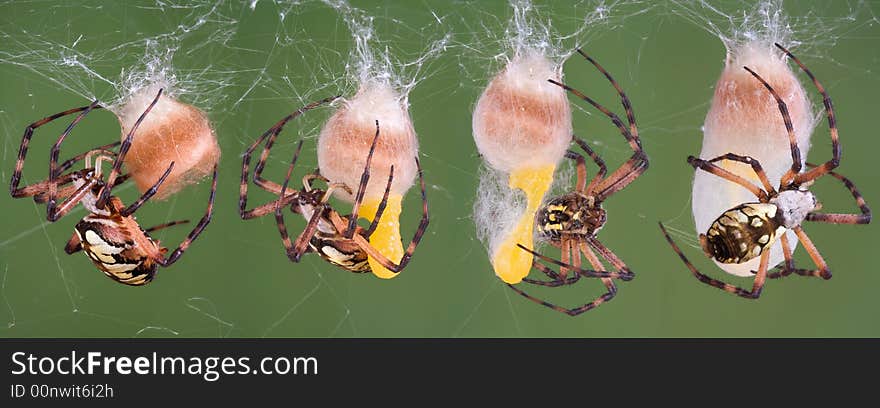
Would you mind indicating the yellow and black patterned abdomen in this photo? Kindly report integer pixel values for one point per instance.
(340, 252)
(742, 233)
(112, 251)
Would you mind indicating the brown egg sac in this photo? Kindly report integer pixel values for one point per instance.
(172, 131)
(521, 120)
(346, 138)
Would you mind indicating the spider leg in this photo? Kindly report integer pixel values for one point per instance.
(788, 267)
(624, 100)
(245, 172)
(362, 188)
(570, 256)
(26, 139)
(540, 301)
(632, 168)
(609, 284)
(832, 126)
(175, 255)
(309, 178)
(638, 162)
(591, 257)
(381, 208)
(792, 140)
(121, 179)
(40, 190)
(863, 218)
(413, 243)
(822, 268)
(570, 312)
(301, 245)
(633, 141)
(268, 207)
(166, 225)
(581, 166)
(559, 279)
(123, 150)
(555, 281)
(272, 205)
(599, 273)
(757, 286)
(147, 194)
(623, 176)
(756, 167)
(553, 275)
(64, 192)
(57, 212)
(105, 149)
(296, 250)
(259, 181)
(711, 168)
(596, 159)
(285, 237)
(51, 214)
(626, 273)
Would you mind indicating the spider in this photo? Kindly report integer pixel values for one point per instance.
(571, 221)
(339, 241)
(748, 230)
(109, 235)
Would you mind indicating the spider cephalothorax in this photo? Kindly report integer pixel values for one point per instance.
(570, 214)
(748, 230)
(571, 221)
(109, 235)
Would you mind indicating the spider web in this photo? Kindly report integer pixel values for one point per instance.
(249, 64)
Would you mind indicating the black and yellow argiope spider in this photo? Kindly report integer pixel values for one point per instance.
(109, 235)
(337, 240)
(747, 231)
(571, 221)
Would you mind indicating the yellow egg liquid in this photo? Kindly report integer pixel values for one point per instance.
(386, 237)
(511, 263)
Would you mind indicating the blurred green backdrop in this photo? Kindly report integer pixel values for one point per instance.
(251, 63)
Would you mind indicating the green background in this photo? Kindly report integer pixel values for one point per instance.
(235, 281)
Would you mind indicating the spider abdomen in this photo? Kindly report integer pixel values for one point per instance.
(570, 214)
(111, 248)
(742, 233)
(340, 252)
